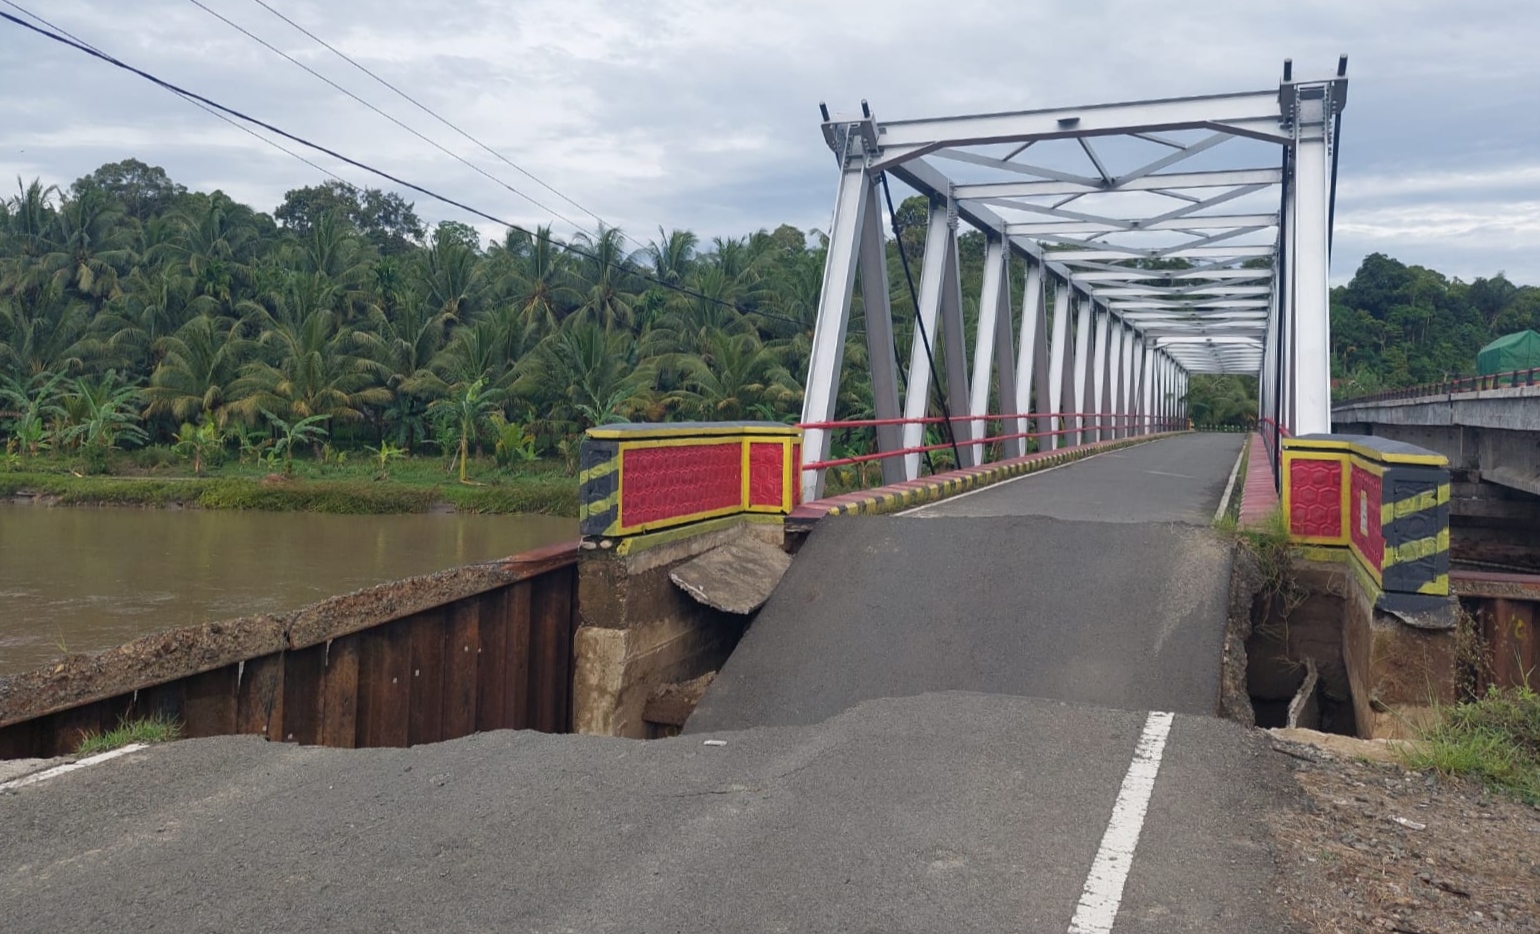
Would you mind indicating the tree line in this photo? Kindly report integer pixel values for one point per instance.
(134, 311)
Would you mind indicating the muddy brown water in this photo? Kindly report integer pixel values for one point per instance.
(83, 579)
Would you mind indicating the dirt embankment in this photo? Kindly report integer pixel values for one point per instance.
(1379, 847)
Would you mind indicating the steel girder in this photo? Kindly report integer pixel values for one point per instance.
(1162, 258)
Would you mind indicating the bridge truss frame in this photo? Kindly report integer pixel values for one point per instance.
(1218, 292)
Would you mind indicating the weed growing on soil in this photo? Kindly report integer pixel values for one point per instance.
(157, 729)
(1269, 543)
(1495, 738)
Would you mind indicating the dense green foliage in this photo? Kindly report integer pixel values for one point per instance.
(136, 313)
(1397, 325)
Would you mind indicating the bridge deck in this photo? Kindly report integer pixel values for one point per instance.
(1099, 582)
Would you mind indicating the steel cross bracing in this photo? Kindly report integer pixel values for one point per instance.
(1152, 240)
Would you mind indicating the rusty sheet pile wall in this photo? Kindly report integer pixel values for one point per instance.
(416, 661)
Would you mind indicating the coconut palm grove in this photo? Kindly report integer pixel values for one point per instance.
(145, 327)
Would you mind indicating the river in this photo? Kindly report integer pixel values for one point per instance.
(83, 579)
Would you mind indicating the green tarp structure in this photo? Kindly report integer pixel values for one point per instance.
(1518, 351)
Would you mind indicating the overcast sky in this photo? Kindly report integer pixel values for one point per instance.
(703, 113)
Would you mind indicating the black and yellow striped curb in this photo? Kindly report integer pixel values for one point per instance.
(1414, 520)
(885, 500)
(598, 486)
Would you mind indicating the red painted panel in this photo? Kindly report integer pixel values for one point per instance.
(1364, 499)
(675, 482)
(767, 484)
(1315, 498)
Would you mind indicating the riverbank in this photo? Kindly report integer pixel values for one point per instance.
(544, 491)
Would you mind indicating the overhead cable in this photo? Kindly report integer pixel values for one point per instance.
(431, 142)
(430, 112)
(639, 273)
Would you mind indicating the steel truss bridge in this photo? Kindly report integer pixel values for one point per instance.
(1154, 239)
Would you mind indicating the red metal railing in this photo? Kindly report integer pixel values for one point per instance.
(1094, 421)
(1272, 436)
(1458, 384)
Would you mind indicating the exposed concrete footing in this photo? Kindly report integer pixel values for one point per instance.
(639, 631)
(1378, 676)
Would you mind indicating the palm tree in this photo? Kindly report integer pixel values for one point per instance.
(607, 285)
(201, 363)
(103, 412)
(450, 273)
(309, 369)
(89, 246)
(44, 330)
(672, 256)
(399, 347)
(535, 277)
(292, 434)
(738, 375)
(33, 403)
(467, 409)
(588, 374)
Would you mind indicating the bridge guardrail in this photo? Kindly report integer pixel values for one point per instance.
(640, 478)
(1454, 386)
(1383, 505)
(1086, 423)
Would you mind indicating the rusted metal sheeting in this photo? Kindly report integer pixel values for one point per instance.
(499, 658)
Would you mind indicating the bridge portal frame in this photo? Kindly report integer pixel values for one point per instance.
(1243, 291)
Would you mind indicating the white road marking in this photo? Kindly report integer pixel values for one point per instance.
(68, 767)
(1166, 473)
(1103, 891)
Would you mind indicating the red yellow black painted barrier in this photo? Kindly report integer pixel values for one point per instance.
(642, 478)
(1382, 504)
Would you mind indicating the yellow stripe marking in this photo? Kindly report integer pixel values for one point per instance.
(1417, 549)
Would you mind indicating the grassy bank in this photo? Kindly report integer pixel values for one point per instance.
(412, 486)
(1494, 738)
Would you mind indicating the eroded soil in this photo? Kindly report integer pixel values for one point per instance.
(1379, 847)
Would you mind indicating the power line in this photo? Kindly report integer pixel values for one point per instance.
(206, 109)
(161, 82)
(425, 109)
(431, 142)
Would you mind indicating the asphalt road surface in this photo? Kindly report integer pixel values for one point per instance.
(947, 812)
(1100, 582)
(938, 723)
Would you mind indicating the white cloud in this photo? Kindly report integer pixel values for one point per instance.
(702, 113)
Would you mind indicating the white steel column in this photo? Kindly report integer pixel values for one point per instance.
(1083, 339)
(880, 349)
(994, 304)
(1114, 379)
(1032, 364)
(955, 346)
(1129, 389)
(1058, 354)
(1005, 362)
(917, 402)
(1310, 261)
(1147, 388)
(828, 351)
(1099, 376)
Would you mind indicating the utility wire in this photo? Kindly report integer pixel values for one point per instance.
(919, 322)
(425, 109)
(198, 104)
(637, 272)
(431, 142)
